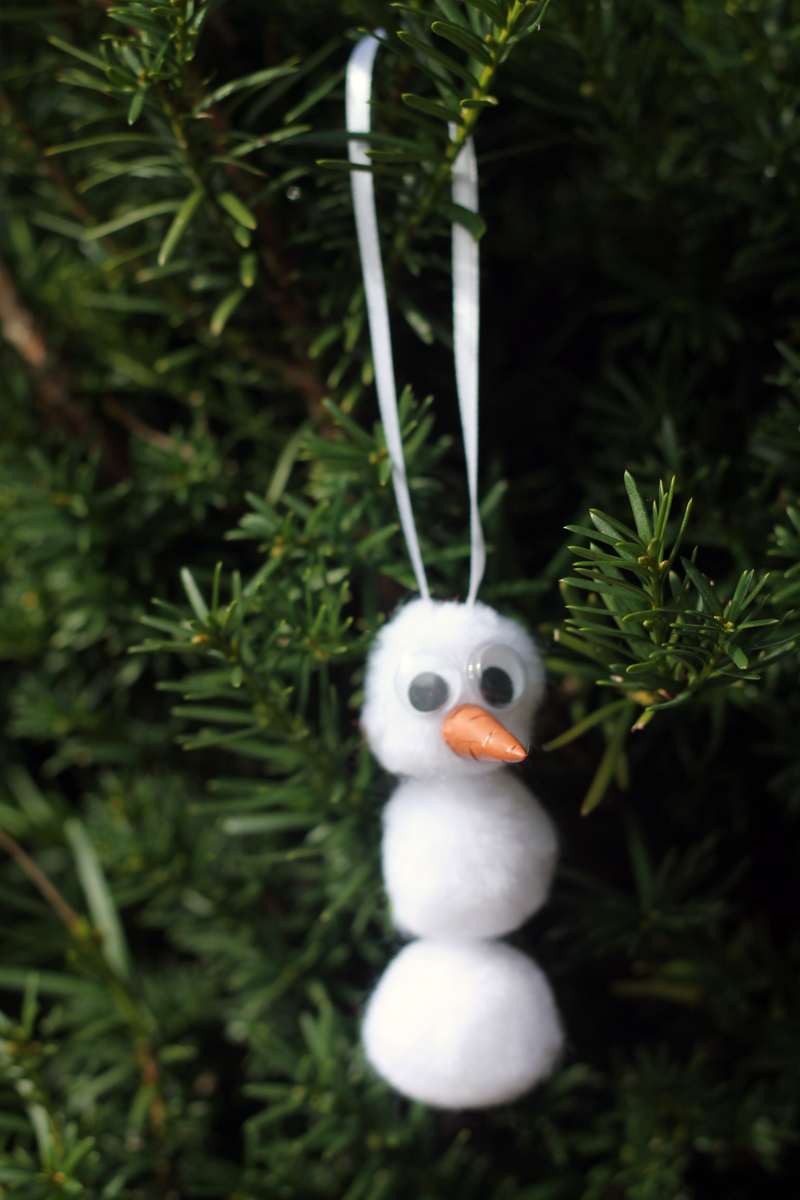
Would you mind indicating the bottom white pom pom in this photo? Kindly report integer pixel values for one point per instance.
(462, 1024)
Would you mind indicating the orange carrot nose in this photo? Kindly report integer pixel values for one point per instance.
(472, 732)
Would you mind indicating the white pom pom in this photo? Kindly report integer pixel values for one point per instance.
(466, 857)
(443, 636)
(462, 1024)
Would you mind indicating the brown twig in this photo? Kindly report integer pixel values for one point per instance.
(151, 1077)
(37, 877)
(19, 327)
(50, 378)
(153, 437)
(21, 331)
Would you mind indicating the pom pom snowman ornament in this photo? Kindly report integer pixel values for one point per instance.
(459, 1019)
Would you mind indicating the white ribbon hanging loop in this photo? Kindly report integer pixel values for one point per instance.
(466, 308)
(466, 322)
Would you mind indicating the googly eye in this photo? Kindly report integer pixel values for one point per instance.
(428, 683)
(497, 674)
(428, 691)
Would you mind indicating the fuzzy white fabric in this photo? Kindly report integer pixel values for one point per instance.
(466, 858)
(407, 742)
(462, 1024)
(468, 854)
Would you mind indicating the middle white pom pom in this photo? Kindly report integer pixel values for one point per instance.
(465, 857)
(462, 1024)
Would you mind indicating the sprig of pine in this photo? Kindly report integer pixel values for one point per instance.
(487, 32)
(657, 636)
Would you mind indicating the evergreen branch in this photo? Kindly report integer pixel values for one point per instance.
(497, 46)
(600, 714)
(88, 941)
(687, 644)
(302, 374)
(610, 760)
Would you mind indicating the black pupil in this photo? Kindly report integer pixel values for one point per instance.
(496, 686)
(428, 692)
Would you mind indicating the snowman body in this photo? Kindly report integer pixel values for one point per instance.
(459, 1020)
(465, 858)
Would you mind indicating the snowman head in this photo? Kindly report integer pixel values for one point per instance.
(450, 690)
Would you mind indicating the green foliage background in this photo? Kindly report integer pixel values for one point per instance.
(198, 541)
